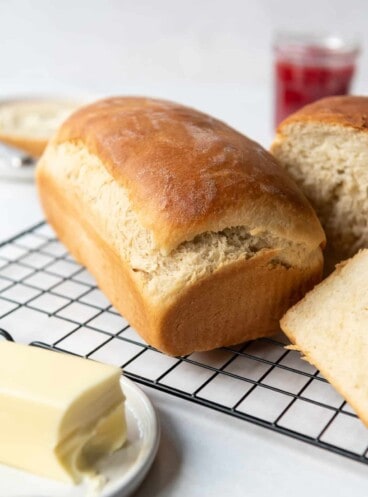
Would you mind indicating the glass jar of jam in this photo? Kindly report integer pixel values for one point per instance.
(309, 67)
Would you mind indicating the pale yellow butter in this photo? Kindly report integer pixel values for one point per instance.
(58, 413)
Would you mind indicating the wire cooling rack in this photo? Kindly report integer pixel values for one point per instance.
(47, 299)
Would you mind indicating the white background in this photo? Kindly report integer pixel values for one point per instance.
(208, 53)
(215, 55)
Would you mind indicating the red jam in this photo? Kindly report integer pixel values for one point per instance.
(298, 85)
(309, 67)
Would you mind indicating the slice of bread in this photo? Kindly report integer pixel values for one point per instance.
(330, 327)
(28, 124)
(324, 147)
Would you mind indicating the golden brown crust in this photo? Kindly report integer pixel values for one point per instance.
(74, 228)
(350, 111)
(211, 313)
(33, 146)
(187, 173)
(215, 311)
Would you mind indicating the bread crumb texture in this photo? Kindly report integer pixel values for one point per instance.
(329, 326)
(329, 163)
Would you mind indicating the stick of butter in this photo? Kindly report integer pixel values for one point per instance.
(58, 413)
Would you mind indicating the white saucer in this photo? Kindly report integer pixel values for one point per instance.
(124, 470)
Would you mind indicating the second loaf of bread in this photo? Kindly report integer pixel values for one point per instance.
(324, 148)
(193, 231)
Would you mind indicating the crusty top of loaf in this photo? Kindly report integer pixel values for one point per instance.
(187, 173)
(351, 111)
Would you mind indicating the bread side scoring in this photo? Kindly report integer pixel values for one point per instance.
(86, 181)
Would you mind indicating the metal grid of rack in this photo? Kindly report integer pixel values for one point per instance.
(49, 300)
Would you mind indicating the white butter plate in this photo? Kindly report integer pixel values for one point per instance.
(124, 470)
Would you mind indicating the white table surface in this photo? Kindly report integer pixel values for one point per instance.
(206, 453)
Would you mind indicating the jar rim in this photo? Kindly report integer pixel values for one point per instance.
(322, 44)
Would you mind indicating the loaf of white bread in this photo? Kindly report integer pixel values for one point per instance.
(28, 124)
(330, 327)
(324, 147)
(194, 232)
